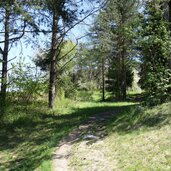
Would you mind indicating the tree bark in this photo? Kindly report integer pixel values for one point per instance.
(103, 80)
(170, 28)
(53, 59)
(124, 86)
(5, 57)
(119, 69)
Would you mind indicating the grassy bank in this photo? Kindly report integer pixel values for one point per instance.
(138, 139)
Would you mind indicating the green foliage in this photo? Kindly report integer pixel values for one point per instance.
(114, 78)
(64, 68)
(84, 95)
(66, 9)
(113, 41)
(155, 46)
(67, 50)
(87, 70)
(26, 82)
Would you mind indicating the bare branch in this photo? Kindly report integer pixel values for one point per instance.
(62, 68)
(69, 51)
(12, 59)
(80, 21)
(18, 37)
(1, 51)
(50, 31)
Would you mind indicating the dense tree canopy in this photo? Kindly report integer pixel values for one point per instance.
(155, 47)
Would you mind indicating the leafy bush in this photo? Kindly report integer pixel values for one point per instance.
(26, 82)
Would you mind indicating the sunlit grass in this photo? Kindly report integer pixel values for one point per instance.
(138, 139)
(31, 131)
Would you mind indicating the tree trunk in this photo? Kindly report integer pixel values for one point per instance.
(124, 86)
(53, 59)
(103, 80)
(170, 28)
(119, 70)
(5, 58)
(119, 82)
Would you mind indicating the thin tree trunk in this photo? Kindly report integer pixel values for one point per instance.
(117, 70)
(53, 59)
(170, 28)
(124, 86)
(5, 59)
(103, 80)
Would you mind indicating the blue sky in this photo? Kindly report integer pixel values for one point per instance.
(28, 52)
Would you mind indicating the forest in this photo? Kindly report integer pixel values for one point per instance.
(85, 85)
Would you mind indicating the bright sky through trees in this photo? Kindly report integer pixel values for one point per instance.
(29, 50)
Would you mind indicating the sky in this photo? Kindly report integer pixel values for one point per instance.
(29, 51)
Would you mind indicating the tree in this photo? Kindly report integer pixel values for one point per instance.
(115, 30)
(26, 82)
(155, 50)
(14, 20)
(65, 64)
(62, 12)
(167, 15)
(63, 17)
(101, 40)
(87, 69)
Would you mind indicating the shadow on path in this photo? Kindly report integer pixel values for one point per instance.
(25, 143)
(91, 130)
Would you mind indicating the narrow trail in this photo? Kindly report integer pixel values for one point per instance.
(91, 131)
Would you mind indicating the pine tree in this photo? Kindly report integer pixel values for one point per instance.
(15, 19)
(155, 50)
(115, 32)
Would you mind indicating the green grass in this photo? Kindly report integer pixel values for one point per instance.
(138, 139)
(31, 132)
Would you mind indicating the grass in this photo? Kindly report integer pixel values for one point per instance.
(31, 132)
(138, 139)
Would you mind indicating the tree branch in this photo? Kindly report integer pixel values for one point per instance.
(12, 59)
(1, 51)
(62, 68)
(16, 38)
(50, 31)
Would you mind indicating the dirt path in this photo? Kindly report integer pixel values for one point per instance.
(90, 131)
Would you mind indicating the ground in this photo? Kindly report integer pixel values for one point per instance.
(139, 142)
(98, 136)
(88, 132)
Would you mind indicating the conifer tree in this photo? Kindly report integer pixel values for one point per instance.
(155, 51)
(15, 18)
(115, 32)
